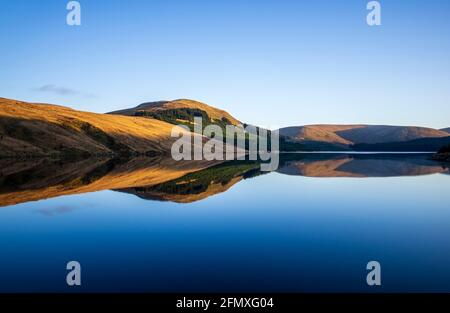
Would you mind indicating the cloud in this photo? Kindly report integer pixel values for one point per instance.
(63, 91)
(55, 211)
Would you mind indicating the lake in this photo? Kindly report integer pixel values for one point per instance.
(154, 225)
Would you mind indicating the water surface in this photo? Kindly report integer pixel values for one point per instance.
(151, 225)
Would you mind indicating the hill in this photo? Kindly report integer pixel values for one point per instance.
(31, 129)
(181, 111)
(422, 144)
(357, 134)
(447, 130)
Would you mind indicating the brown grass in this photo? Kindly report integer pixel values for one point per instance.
(29, 129)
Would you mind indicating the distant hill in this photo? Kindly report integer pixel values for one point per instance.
(422, 144)
(447, 130)
(358, 134)
(30, 129)
(181, 111)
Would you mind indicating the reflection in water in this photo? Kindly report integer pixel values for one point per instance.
(184, 182)
(42, 179)
(261, 232)
(199, 185)
(360, 165)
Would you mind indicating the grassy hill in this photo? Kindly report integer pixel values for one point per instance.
(30, 130)
(422, 144)
(358, 134)
(181, 111)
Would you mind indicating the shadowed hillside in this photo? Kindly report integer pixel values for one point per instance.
(422, 145)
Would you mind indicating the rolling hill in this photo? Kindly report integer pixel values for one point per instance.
(181, 111)
(423, 145)
(359, 134)
(447, 130)
(30, 130)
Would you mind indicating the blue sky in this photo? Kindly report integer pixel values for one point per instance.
(271, 63)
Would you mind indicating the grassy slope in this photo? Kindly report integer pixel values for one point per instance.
(29, 129)
(160, 106)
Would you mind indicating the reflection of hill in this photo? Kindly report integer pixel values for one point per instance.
(42, 179)
(359, 165)
(316, 167)
(198, 185)
(164, 179)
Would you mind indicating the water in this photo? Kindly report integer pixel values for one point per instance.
(311, 226)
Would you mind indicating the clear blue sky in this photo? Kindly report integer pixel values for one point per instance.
(271, 63)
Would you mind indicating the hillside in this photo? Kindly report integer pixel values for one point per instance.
(181, 111)
(447, 130)
(356, 134)
(422, 144)
(30, 129)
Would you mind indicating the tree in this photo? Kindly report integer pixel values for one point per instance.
(445, 149)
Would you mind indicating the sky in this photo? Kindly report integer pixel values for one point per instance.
(267, 62)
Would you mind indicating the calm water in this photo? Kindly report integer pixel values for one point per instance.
(311, 226)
